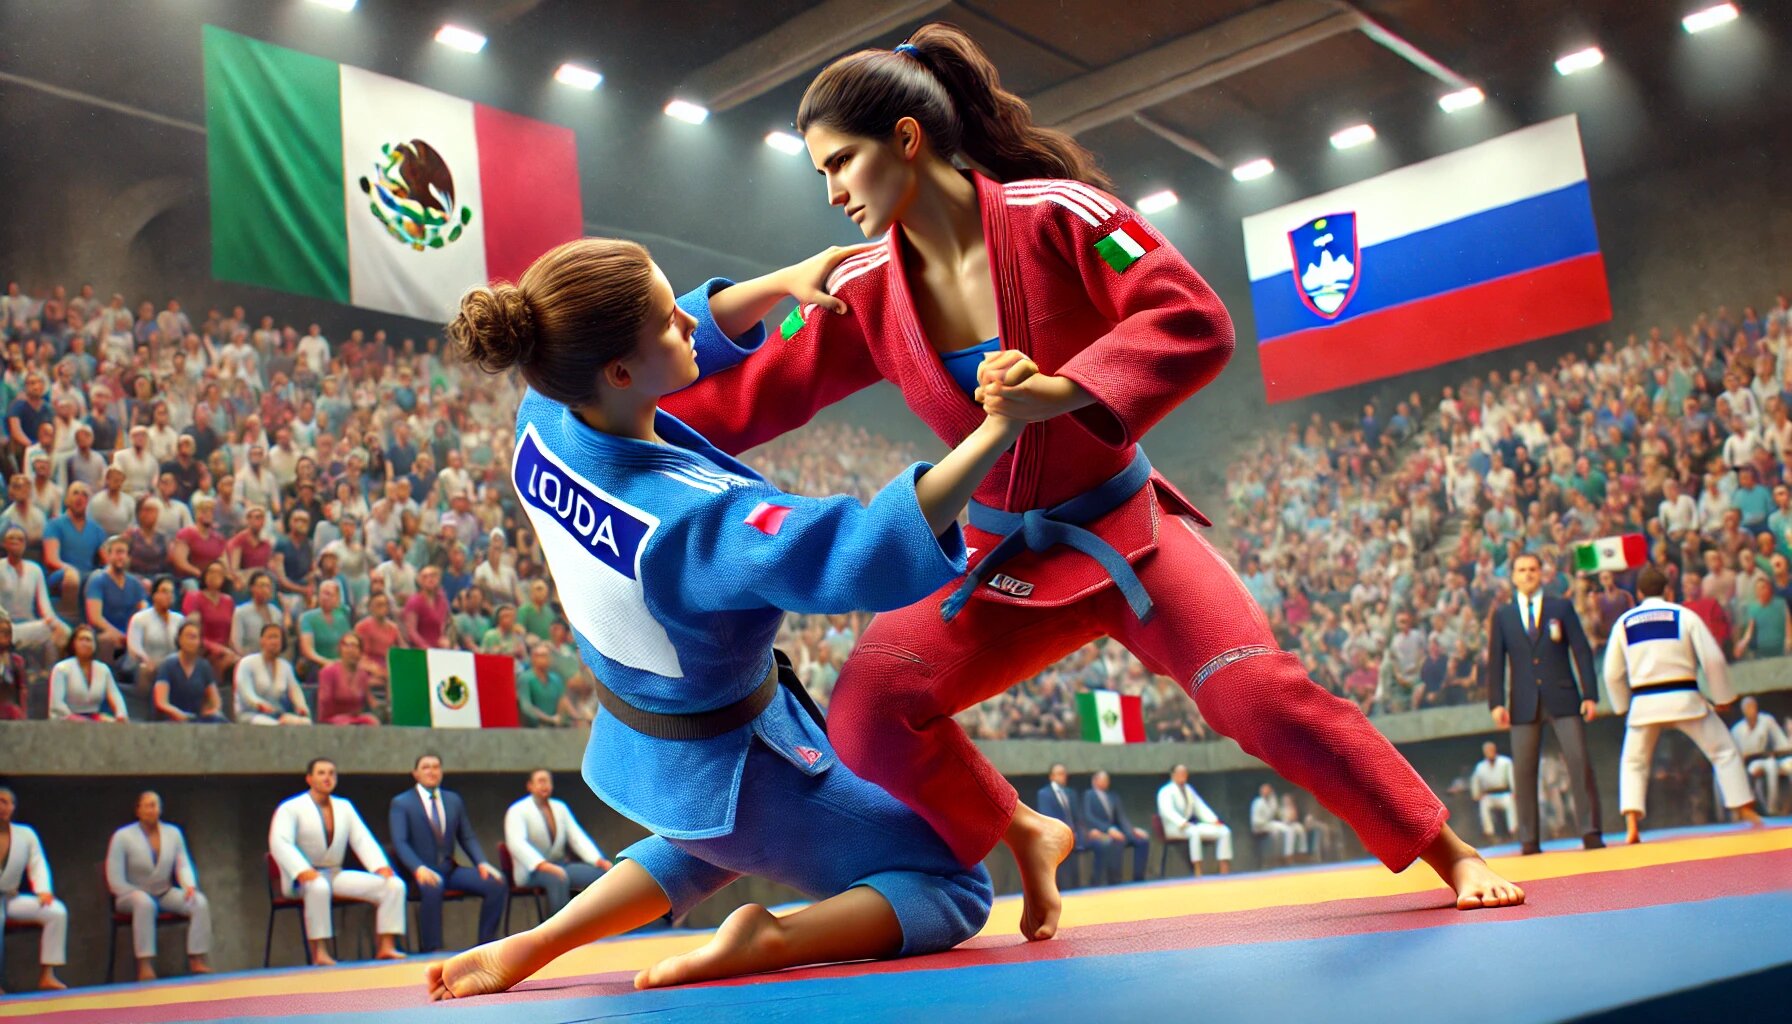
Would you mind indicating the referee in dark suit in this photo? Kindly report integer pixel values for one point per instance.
(1538, 642)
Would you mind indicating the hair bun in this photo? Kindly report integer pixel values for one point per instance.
(495, 327)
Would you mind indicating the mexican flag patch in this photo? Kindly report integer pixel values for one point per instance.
(1124, 247)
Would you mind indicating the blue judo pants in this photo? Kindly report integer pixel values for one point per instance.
(823, 835)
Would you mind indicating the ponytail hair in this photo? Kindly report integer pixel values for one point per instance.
(576, 309)
(945, 81)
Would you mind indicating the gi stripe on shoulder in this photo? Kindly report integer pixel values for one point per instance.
(1090, 197)
(1063, 199)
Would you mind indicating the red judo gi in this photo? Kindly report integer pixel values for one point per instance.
(1131, 322)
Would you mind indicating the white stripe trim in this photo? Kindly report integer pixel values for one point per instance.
(1093, 210)
(1061, 200)
(850, 267)
(719, 476)
(690, 482)
(859, 271)
(1095, 198)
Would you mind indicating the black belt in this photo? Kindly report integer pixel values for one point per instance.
(707, 725)
(1665, 687)
(1494, 792)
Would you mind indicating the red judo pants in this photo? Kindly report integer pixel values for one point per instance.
(890, 718)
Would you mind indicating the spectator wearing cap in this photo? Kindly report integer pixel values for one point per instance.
(139, 465)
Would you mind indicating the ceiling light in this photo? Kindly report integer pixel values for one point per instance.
(687, 112)
(1580, 60)
(1461, 99)
(583, 78)
(1710, 17)
(1156, 202)
(784, 142)
(461, 38)
(1251, 171)
(1353, 136)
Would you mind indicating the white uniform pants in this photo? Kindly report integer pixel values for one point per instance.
(1767, 769)
(143, 909)
(52, 951)
(1711, 736)
(1504, 802)
(385, 893)
(1291, 836)
(1199, 833)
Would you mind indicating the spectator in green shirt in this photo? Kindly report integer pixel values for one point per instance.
(1767, 622)
(540, 689)
(537, 615)
(505, 637)
(471, 621)
(566, 653)
(321, 630)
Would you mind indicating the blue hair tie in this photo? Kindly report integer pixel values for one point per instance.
(908, 48)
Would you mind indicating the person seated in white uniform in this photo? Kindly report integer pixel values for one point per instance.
(539, 831)
(1283, 840)
(267, 691)
(22, 859)
(150, 872)
(310, 838)
(1491, 788)
(1186, 816)
(1766, 752)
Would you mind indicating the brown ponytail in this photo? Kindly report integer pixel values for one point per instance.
(575, 310)
(943, 80)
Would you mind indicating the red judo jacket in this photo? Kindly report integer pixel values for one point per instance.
(1139, 332)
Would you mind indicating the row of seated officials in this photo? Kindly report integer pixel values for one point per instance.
(153, 879)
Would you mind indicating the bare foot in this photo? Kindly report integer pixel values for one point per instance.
(1476, 885)
(1750, 815)
(749, 941)
(388, 954)
(322, 959)
(1039, 845)
(49, 982)
(196, 965)
(493, 967)
(1633, 829)
(146, 971)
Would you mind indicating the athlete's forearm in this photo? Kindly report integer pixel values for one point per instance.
(944, 490)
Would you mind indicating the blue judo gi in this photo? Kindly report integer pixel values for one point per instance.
(675, 563)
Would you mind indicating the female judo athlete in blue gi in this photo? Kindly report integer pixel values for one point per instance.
(675, 563)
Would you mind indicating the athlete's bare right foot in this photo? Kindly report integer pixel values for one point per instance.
(322, 959)
(1476, 885)
(1039, 845)
(1633, 828)
(493, 967)
(1750, 815)
(750, 941)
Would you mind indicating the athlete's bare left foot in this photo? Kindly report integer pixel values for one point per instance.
(1633, 828)
(1476, 885)
(493, 967)
(1749, 814)
(1039, 845)
(751, 940)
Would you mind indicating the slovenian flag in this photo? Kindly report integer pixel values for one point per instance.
(1615, 553)
(1489, 246)
(338, 183)
(1123, 247)
(452, 689)
(1110, 717)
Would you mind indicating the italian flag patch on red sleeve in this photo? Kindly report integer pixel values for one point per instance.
(1125, 245)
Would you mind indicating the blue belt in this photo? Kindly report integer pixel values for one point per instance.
(1039, 529)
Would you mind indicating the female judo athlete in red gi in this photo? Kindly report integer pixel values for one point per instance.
(1073, 535)
(675, 563)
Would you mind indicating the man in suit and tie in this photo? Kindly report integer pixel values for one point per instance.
(427, 824)
(1537, 641)
(1057, 800)
(1111, 832)
(539, 831)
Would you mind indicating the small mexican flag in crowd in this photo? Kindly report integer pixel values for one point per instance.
(1109, 717)
(452, 689)
(1615, 553)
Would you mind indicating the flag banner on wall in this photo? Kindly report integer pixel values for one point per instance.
(452, 689)
(1489, 246)
(1110, 717)
(339, 183)
(1627, 551)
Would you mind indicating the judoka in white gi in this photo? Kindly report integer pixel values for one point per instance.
(1266, 821)
(150, 871)
(1491, 788)
(1766, 751)
(310, 838)
(22, 860)
(1652, 663)
(539, 832)
(1186, 816)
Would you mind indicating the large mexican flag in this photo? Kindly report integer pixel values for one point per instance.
(452, 689)
(332, 181)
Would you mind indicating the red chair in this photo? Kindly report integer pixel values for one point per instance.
(122, 919)
(278, 901)
(1164, 843)
(507, 865)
